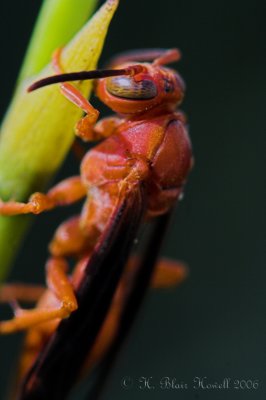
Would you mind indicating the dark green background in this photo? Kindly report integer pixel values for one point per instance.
(215, 324)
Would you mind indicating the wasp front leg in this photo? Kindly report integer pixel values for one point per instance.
(64, 193)
(103, 129)
(65, 301)
(85, 128)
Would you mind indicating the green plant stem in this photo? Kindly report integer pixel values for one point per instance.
(57, 23)
(37, 131)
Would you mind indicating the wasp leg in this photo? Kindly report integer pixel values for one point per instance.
(168, 57)
(60, 286)
(64, 193)
(84, 128)
(103, 129)
(106, 127)
(34, 341)
(70, 239)
(168, 273)
(158, 56)
(21, 292)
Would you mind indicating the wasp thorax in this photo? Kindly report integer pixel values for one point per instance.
(127, 88)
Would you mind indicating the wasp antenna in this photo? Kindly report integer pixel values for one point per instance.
(84, 75)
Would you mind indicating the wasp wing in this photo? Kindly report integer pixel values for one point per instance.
(138, 289)
(58, 364)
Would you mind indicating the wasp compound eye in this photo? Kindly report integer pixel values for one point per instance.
(127, 88)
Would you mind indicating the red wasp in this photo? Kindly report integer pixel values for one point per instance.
(137, 172)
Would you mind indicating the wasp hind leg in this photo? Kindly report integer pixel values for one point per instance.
(20, 292)
(59, 284)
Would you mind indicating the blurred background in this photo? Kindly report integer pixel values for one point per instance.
(214, 324)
